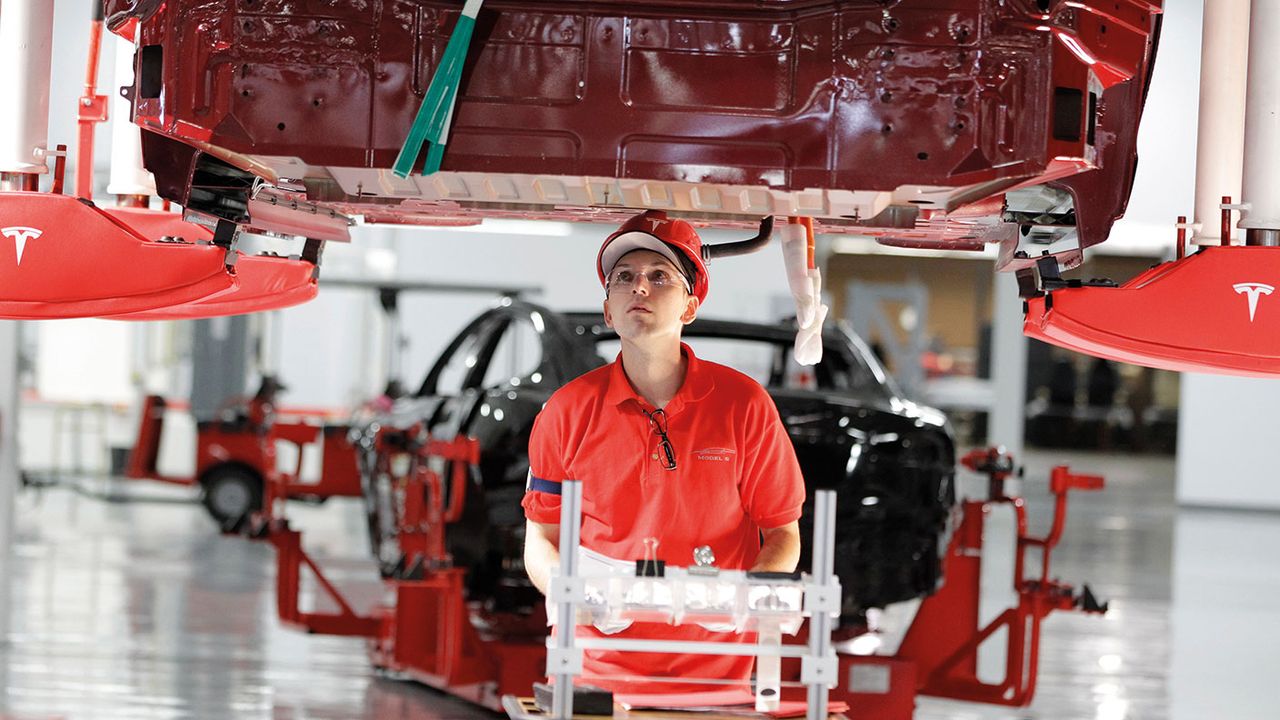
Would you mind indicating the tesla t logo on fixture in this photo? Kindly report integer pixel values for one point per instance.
(1253, 290)
(20, 237)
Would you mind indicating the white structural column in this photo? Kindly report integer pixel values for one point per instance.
(1008, 366)
(1227, 449)
(9, 332)
(1260, 188)
(1220, 144)
(127, 174)
(1005, 427)
(26, 54)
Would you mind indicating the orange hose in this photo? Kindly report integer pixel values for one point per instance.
(807, 222)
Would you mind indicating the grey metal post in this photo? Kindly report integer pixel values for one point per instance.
(1008, 367)
(560, 661)
(9, 469)
(219, 363)
(823, 571)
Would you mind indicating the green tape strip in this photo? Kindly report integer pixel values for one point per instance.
(434, 157)
(432, 120)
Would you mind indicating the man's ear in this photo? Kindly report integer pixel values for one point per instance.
(608, 316)
(690, 310)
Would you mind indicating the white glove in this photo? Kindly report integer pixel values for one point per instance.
(808, 350)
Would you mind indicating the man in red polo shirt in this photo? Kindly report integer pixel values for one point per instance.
(669, 448)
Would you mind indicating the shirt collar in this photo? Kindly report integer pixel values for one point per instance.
(698, 382)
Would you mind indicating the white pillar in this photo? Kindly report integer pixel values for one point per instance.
(26, 53)
(1220, 145)
(9, 336)
(1227, 450)
(1225, 444)
(1261, 185)
(1008, 367)
(128, 177)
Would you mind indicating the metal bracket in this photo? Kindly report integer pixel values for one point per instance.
(567, 590)
(824, 671)
(819, 598)
(565, 661)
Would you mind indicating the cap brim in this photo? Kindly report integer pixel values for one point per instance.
(629, 242)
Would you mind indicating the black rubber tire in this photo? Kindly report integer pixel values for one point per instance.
(231, 494)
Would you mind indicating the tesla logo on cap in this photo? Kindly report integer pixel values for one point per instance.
(20, 237)
(1253, 290)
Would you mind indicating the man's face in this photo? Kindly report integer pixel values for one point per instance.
(637, 307)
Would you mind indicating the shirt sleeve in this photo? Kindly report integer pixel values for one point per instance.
(546, 467)
(772, 485)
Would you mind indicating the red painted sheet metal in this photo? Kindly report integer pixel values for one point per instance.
(158, 224)
(1215, 311)
(61, 257)
(262, 282)
(784, 94)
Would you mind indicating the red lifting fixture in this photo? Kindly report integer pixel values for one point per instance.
(71, 258)
(945, 638)
(262, 282)
(62, 257)
(156, 225)
(1214, 311)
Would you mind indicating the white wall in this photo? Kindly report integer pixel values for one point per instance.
(84, 361)
(70, 52)
(1165, 183)
(1228, 442)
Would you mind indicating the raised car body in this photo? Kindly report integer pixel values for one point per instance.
(922, 122)
(891, 461)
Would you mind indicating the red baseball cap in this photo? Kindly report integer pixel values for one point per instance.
(652, 230)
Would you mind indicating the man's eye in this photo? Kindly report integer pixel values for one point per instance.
(624, 276)
(659, 277)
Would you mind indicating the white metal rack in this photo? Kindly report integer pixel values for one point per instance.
(816, 596)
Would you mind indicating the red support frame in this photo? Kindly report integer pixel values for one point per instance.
(290, 557)
(426, 633)
(92, 110)
(945, 637)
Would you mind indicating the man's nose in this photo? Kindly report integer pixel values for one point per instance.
(635, 285)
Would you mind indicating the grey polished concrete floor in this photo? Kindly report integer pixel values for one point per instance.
(141, 610)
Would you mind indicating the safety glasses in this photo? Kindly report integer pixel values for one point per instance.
(626, 279)
(658, 421)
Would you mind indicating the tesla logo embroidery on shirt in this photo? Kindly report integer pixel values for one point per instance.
(20, 237)
(1253, 290)
(715, 454)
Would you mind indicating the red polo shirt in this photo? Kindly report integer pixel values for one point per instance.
(736, 472)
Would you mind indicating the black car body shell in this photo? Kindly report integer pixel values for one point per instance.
(890, 461)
